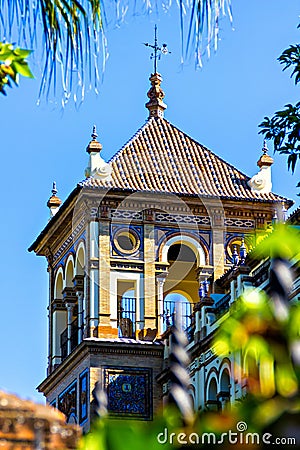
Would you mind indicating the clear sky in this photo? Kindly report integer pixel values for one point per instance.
(219, 105)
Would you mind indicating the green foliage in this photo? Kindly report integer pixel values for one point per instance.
(12, 64)
(283, 242)
(284, 127)
(291, 58)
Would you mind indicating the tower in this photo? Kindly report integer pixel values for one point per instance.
(142, 238)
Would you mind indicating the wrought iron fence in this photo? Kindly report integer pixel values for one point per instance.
(181, 310)
(127, 317)
(222, 305)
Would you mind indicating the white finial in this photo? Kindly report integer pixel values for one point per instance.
(54, 202)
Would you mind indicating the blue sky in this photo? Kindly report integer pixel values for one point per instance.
(219, 105)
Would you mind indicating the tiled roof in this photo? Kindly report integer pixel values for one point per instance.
(161, 158)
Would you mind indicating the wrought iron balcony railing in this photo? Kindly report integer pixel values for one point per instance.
(181, 310)
(127, 317)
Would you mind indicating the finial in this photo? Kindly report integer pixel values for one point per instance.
(206, 287)
(235, 257)
(275, 216)
(54, 202)
(265, 147)
(265, 159)
(243, 251)
(156, 106)
(201, 290)
(54, 190)
(157, 50)
(94, 146)
(94, 134)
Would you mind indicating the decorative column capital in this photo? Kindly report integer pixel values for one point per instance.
(161, 278)
(78, 281)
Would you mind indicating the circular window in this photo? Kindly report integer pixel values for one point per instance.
(126, 241)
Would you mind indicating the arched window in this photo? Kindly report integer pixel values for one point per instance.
(177, 306)
(212, 401)
(126, 308)
(224, 394)
(79, 265)
(58, 286)
(69, 273)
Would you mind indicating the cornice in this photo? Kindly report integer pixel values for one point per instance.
(88, 348)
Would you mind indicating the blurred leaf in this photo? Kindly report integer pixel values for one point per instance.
(284, 242)
(12, 64)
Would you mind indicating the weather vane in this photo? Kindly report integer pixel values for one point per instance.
(157, 50)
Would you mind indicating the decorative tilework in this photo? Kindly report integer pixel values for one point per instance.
(129, 392)
(53, 404)
(241, 223)
(181, 218)
(117, 214)
(67, 401)
(70, 240)
(83, 396)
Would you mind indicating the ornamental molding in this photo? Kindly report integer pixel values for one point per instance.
(182, 218)
(120, 265)
(69, 241)
(240, 223)
(128, 351)
(118, 214)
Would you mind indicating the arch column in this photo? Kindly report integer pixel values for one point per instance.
(69, 307)
(149, 277)
(218, 228)
(79, 289)
(160, 280)
(58, 325)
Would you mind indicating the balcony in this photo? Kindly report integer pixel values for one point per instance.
(182, 310)
(127, 317)
(222, 305)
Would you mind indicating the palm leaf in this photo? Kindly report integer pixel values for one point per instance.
(69, 35)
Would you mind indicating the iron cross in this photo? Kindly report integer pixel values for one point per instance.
(157, 50)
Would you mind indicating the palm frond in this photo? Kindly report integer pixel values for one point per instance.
(68, 35)
(203, 18)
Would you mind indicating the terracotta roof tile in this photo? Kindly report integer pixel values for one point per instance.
(161, 158)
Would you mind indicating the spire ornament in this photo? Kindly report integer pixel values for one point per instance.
(97, 167)
(265, 159)
(235, 257)
(54, 202)
(243, 252)
(156, 106)
(156, 95)
(262, 181)
(157, 51)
